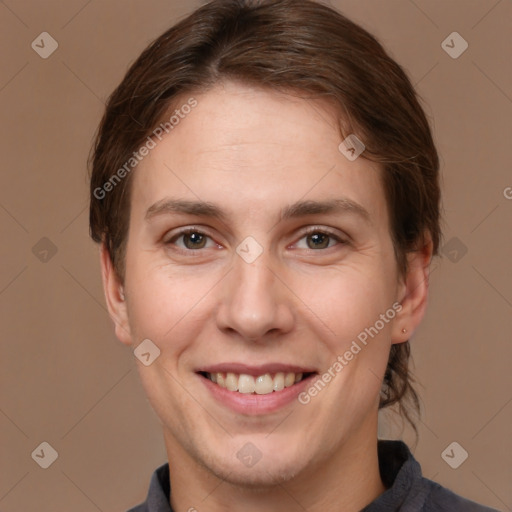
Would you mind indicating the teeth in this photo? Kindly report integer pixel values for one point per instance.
(289, 379)
(246, 384)
(231, 382)
(261, 385)
(264, 384)
(279, 381)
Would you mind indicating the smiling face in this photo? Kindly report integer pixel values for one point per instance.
(257, 248)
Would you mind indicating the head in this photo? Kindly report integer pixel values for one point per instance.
(230, 125)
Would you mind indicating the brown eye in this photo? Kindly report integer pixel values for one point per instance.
(190, 239)
(318, 240)
(194, 240)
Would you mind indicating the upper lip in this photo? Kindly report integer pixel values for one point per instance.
(255, 370)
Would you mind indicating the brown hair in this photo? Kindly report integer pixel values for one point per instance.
(290, 46)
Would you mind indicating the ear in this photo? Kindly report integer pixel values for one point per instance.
(413, 292)
(114, 295)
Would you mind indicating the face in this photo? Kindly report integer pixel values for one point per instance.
(257, 256)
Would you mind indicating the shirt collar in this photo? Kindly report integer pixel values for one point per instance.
(401, 474)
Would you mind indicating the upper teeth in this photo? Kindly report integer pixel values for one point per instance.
(261, 385)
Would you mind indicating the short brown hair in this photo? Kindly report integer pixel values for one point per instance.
(289, 46)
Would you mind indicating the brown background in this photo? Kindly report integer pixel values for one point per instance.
(66, 380)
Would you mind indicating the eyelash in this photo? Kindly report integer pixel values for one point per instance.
(309, 231)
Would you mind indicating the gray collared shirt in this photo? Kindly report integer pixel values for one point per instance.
(407, 490)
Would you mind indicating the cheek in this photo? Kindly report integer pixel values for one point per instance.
(164, 301)
(343, 302)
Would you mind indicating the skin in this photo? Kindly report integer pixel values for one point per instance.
(253, 152)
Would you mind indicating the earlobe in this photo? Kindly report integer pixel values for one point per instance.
(413, 293)
(114, 296)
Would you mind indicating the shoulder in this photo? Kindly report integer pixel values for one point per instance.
(159, 491)
(409, 490)
(440, 498)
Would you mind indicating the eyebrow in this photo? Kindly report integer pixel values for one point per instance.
(298, 209)
(199, 208)
(341, 205)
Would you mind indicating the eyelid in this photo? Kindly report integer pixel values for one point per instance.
(173, 233)
(323, 229)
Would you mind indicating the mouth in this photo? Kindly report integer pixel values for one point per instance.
(263, 384)
(255, 390)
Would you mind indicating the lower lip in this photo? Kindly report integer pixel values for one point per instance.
(253, 404)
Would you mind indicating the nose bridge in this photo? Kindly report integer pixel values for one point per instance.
(254, 301)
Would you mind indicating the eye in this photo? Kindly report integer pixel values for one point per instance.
(319, 239)
(191, 239)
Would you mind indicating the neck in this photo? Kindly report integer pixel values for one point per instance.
(345, 479)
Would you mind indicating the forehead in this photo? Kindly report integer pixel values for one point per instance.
(255, 150)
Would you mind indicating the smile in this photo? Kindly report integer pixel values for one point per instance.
(260, 385)
(255, 390)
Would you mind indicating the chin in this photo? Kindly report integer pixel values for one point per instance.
(260, 476)
(266, 472)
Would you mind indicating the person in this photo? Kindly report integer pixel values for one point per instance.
(265, 193)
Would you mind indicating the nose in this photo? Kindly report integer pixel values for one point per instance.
(255, 303)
